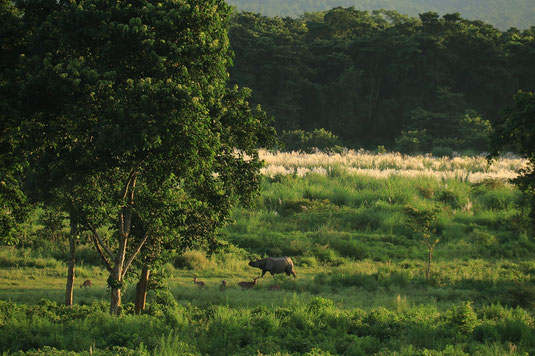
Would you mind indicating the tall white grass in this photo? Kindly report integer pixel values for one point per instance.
(382, 166)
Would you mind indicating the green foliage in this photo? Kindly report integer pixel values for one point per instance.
(443, 124)
(519, 14)
(360, 287)
(520, 295)
(475, 133)
(441, 151)
(191, 260)
(464, 318)
(382, 78)
(307, 142)
(412, 141)
(516, 131)
(142, 133)
(14, 206)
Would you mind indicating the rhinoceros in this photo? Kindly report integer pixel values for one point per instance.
(274, 265)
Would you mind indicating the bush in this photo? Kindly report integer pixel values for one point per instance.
(192, 260)
(307, 261)
(351, 248)
(307, 142)
(442, 151)
(412, 141)
(484, 239)
(521, 295)
(486, 333)
(448, 197)
(463, 318)
(328, 256)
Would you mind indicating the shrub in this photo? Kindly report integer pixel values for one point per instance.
(516, 331)
(463, 318)
(297, 247)
(173, 344)
(483, 239)
(381, 149)
(307, 261)
(412, 141)
(351, 249)
(448, 197)
(326, 255)
(320, 305)
(303, 141)
(192, 260)
(475, 132)
(486, 333)
(442, 151)
(520, 295)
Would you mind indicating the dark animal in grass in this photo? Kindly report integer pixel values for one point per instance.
(87, 283)
(274, 265)
(223, 285)
(274, 287)
(248, 285)
(199, 283)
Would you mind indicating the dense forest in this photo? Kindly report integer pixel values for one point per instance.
(383, 78)
(501, 13)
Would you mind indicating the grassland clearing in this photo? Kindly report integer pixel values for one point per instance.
(360, 290)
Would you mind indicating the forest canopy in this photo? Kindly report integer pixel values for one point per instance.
(500, 13)
(383, 78)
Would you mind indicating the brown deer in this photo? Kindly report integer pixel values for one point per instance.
(87, 283)
(275, 287)
(223, 285)
(199, 283)
(248, 285)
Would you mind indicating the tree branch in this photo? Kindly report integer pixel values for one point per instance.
(134, 254)
(125, 191)
(126, 224)
(102, 255)
(97, 237)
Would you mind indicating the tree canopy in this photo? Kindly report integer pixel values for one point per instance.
(130, 125)
(501, 13)
(517, 132)
(368, 76)
(13, 201)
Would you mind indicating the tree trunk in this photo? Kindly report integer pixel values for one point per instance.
(117, 276)
(115, 302)
(428, 268)
(72, 260)
(141, 290)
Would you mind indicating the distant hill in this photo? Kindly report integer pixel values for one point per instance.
(501, 13)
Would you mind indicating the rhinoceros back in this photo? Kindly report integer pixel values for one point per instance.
(275, 265)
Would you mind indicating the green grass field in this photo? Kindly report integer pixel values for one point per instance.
(361, 287)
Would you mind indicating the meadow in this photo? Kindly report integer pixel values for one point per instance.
(360, 286)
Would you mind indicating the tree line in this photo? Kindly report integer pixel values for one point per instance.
(501, 13)
(380, 77)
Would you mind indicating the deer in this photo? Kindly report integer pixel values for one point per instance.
(248, 285)
(199, 283)
(223, 285)
(87, 283)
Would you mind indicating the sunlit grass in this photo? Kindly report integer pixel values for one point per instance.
(382, 166)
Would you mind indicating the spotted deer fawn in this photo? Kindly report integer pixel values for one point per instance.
(199, 283)
(87, 283)
(247, 285)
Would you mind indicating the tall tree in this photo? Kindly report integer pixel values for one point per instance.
(138, 123)
(13, 202)
(517, 132)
